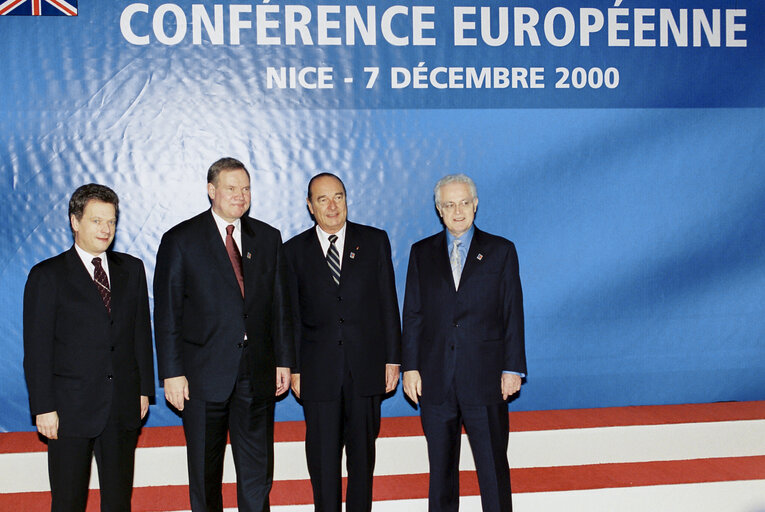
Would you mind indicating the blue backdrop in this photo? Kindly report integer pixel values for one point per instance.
(637, 203)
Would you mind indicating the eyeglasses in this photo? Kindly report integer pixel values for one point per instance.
(464, 204)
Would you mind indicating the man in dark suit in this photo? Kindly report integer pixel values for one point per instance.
(87, 356)
(463, 347)
(224, 339)
(348, 343)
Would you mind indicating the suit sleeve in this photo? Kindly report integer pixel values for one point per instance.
(284, 339)
(168, 309)
(512, 307)
(142, 342)
(387, 289)
(413, 317)
(39, 334)
(294, 290)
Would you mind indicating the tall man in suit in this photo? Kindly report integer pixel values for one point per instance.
(463, 347)
(348, 343)
(87, 356)
(224, 340)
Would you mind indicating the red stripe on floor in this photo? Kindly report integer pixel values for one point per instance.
(399, 487)
(638, 415)
(524, 421)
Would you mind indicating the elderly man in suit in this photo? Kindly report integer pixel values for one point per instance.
(87, 356)
(463, 347)
(224, 340)
(348, 343)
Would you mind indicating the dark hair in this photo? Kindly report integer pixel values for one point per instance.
(224, 164)
(88, 192)
(322, 175)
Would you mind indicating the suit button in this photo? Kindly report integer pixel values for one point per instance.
(339, 298)
(245, 316)
(109, 377)
(452, 347)
(111, 349)
(339, 342)
(340, 321)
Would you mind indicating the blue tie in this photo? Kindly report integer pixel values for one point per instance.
(456, 261)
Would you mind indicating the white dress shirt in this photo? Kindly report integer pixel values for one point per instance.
(339, 243)
(87, 260)
(223, 224)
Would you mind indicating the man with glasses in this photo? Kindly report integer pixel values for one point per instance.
(463, 350)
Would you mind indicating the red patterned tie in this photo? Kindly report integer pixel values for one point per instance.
(234, 256)
(102, 283)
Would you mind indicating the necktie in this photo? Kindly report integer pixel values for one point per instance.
(234, 256)
(102, 284)
(456, 261)
(333, 259)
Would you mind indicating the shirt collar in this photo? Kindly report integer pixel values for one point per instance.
(87, 260)
(222, 223)
(466, 238)
(324, 236)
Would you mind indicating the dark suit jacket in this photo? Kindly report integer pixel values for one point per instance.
(467, 336)
(359, 318)
(200, 317)
(78, 360)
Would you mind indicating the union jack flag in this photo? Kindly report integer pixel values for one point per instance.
(38, 8)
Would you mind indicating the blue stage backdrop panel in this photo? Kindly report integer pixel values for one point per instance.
(619, 146)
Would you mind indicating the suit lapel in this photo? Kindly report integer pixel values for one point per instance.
(217, 250)
(117, 283)
(475, 255)
(351, 251)
(81, 282)
(440, 255)
(318, 260)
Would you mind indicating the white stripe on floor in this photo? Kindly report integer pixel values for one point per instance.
(27, 472)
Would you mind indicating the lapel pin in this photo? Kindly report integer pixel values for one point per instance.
(249, 255)
(479, 257)
(352, 255)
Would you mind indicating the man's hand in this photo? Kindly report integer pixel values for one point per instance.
(144, 406)
(177, 391)
(413, 385)
(282, 380)
(392, 372)
(511, 384)
(296, 384)
(47, 424)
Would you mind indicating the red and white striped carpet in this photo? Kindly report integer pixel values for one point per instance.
(660, 458)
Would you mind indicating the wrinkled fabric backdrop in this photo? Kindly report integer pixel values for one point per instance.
(637, 207)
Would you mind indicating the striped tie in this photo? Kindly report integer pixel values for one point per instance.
(333, 259)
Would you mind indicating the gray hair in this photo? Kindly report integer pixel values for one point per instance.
(454, 178)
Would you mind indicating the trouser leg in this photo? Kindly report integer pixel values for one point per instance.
(69, 461)
(251, 424)
(442, 425)
(205, 426)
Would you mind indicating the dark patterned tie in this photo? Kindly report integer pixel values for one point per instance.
(102, 283)
(234, 256)
(333, 259)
